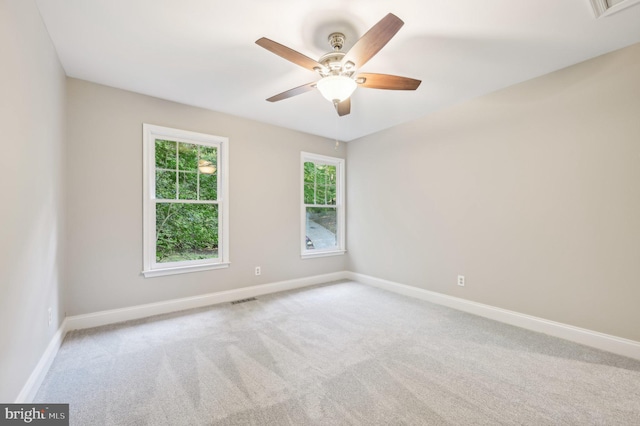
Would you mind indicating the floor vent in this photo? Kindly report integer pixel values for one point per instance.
(235, 302)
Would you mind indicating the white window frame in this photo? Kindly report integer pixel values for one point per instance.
(339, 206)
(602, 8)
(150, 267)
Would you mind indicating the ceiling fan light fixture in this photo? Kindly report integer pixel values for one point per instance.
(206, 167)
(336, 87)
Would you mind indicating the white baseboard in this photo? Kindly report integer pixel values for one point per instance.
(38, 374)
(605, 342)
(113, 316)
(594, 339)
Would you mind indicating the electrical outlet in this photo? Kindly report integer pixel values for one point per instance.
(49, 316)
(461, 280)
(258, 271)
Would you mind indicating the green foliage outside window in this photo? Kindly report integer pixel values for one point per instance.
(320, 190)
(185, 231)
(319, 184)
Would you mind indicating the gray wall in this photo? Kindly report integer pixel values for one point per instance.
(532, 193)
(104, 186)
(32, 92)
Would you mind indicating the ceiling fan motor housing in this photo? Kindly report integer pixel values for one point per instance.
(332, 65)
(332, 62)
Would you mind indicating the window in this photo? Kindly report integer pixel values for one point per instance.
(186, 225)
(323, 227)
(609, 7)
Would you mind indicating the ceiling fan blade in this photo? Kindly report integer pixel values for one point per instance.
(374, 40)
(344, 107)
(288, 54)
(293, 92)
(386, 81)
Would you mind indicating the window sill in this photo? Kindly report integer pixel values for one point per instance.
(323, 254)
(183, 269)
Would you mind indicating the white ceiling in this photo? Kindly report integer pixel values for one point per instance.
(203, 52)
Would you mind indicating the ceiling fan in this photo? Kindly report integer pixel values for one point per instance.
(339, 70)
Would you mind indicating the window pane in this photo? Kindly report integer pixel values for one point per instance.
(165, 154)
(187, 156)
(321, 228)
(208, 187)
(309, 182)
(210, 154)
(326, 188)
(319, 184)
(309, 170)
(165, 185)
(331, 185)
(188, 186)
(309, 194)
(186, 232)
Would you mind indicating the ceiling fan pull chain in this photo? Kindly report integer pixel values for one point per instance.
(335, 128)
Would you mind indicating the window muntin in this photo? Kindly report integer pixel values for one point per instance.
(322, 205)
(186, 220)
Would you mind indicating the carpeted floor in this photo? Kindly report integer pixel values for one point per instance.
(343, 353)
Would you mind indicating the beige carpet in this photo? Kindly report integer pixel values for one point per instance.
(337, 354)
